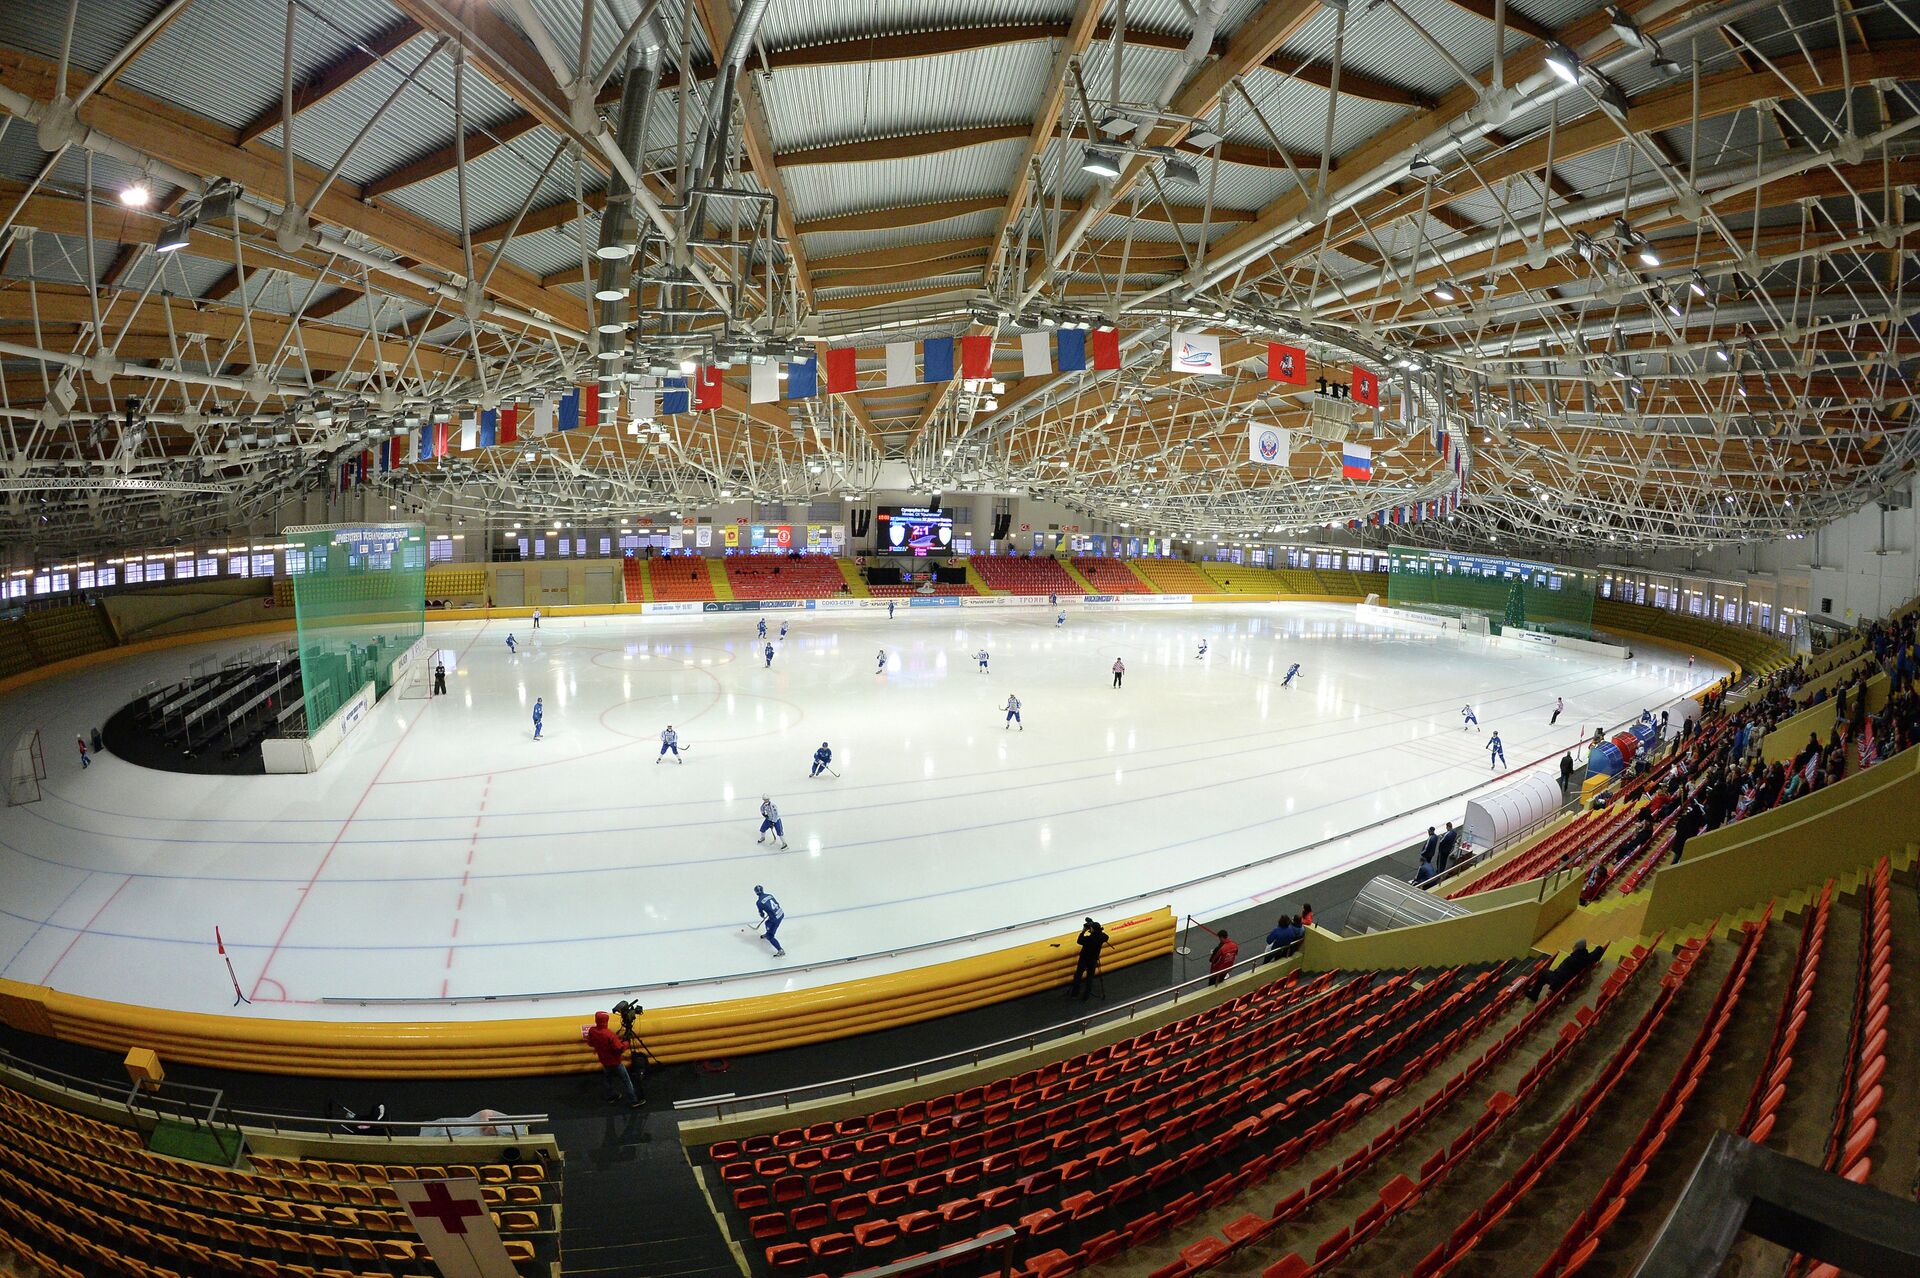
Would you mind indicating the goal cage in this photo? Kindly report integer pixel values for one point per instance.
(1489, 593)
(359, 602)
(26, 768)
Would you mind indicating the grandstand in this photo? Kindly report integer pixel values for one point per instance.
(1110, 577)
(679, 579)
(781, 577)
(1015, 575)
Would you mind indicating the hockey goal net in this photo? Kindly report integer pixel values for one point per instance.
(418, 681)
(26, 768)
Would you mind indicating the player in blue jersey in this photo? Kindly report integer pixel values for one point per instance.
(1496, 753)
(1061, 620)
(669, 740)
(882, 667)
(821, 758)
(539, 713)
(981, 657)
(889, 610)
(762, 632)
(1013, 712)
(1292, 670)
(768, 654)
(1203, 650)
(510, 647)
(771, 917)
(1468, 719)
(770, 821)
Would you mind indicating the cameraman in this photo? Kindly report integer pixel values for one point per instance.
(1091, 939)
(611, 1051)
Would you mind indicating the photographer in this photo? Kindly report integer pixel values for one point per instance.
(611, 1052)
(1091, 939)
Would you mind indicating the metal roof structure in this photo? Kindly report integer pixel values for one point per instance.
(1645, 264)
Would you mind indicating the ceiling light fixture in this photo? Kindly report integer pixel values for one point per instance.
(1100, 163)
(1181, 171)
(136, 196)
(173, 236)
(1203, 139)
(1422, 167)
(1442, 292)
(1698, 283)
(1563, 62)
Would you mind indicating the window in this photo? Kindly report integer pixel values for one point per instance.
(86, 579)
(263, 564)
(40, 584)
(539, 547)
(136, 572)
(16, 587)
(237, 566)
(566, 547)
(62, 583)
(296, 561)
(108, 576)
(606, 546)
(439, 552)
(523, 547)
(580, 547)
(209, 567)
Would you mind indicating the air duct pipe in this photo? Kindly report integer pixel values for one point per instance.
(616, 221)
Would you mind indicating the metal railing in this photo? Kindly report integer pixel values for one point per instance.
(854, 1085)
(206, 1108)
(1003, 1238)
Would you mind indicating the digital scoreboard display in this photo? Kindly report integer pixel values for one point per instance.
(912, 530)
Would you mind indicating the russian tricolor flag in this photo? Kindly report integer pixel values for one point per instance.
(1356, 461)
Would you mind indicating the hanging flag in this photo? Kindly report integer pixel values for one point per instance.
(542, 417)
(1440, 444)
(366, 464)
(568, 418)
(1268, 445)
(469, 432)
(1356, 461)
(424, 452)
(803, 378)
(674, 397)
(937, 360)
(346, 476)
(645, 402)
(899, 364)
(1073, 350)
(589, 406)
(1036, 354)
(440, 431)
(396, 452)
(706, 391)
(510, 424)
(843, 373)
(386, 457)
(1366, 387)
(1106, 349)
(976, 357)
(1193, 352)
(490, 427)
(763, 383)
(1286, 364)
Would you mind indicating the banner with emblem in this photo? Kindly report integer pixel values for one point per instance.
(1268, 445)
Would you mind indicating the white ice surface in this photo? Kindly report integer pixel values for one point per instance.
(444, 854)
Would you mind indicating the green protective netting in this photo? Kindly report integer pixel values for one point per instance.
(359, 601)
(1525, 594)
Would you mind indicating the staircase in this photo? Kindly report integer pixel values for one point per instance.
(717, 573)
(1078, 577)
(855, 585)
(634, 580)
(978, 582)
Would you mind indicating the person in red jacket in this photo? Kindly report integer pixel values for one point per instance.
(1224, 953)
(612, 1053)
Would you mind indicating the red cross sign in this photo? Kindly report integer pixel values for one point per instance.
(452, 1219)
(451, 1212)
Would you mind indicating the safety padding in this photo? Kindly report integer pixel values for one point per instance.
(551, 1045)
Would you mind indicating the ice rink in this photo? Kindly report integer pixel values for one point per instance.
(443, 854)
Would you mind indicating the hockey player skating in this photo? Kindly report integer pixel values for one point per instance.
(981, 657)
(1013, 713)
(762, 632)
(770, 820)
(768, 654)
(1203, 650)
(889, 610)
(1496, 753)
(536, 618)
(669, 740)
(539, 713)
(1468, 719)
(1119, 671)
(882, 658)
(1053, 600)
(510, 648)
(1061, 620)
(771, 917)
(1292, 670)
(1559, 704)
(821, 759)
(783, 632)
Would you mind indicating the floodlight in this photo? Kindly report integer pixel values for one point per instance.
(173, 236)
(1182, 171)
(1563, 62)
(1100, 163)
(136, 196)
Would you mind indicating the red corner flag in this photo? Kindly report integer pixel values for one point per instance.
(842, 374)
(1286, 364)
(1106, 348)
(1366, 387)
(976, 358)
